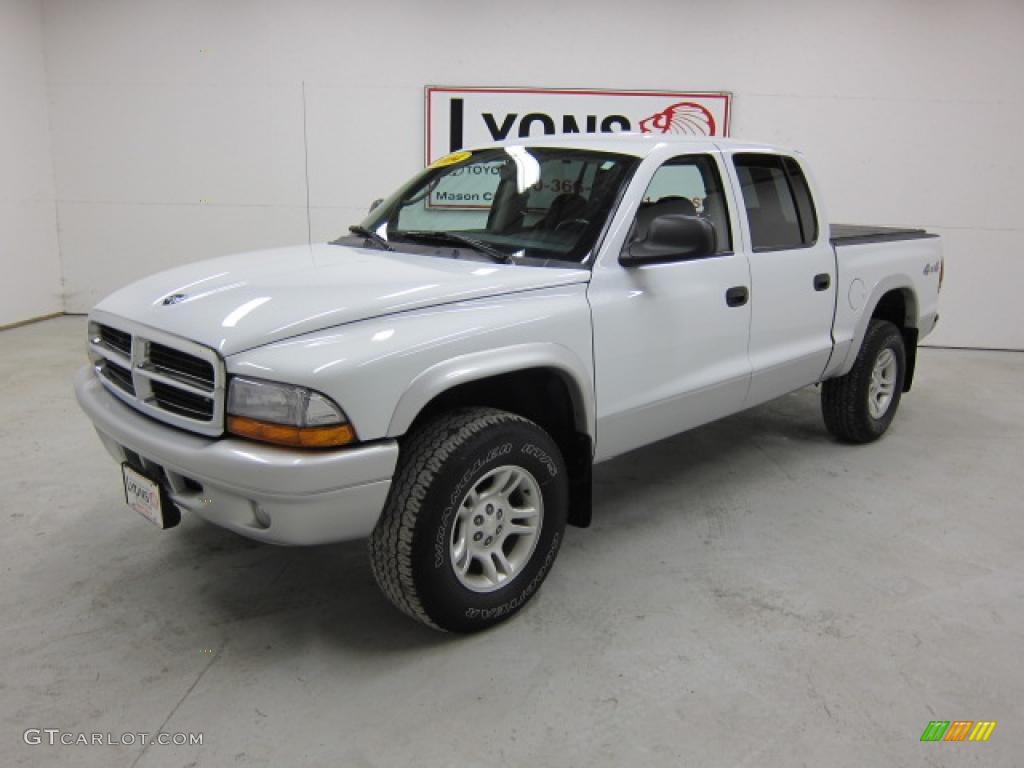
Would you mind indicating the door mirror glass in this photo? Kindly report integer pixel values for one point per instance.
(669, 237)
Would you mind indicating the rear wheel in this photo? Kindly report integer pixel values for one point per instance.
(860, 406)
(474, 520)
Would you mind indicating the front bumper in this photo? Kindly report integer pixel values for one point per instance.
(277, 495)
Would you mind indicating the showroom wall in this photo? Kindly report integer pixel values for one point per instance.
(29, 259)
(188, 129)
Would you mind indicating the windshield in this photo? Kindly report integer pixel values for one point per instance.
(508, 204)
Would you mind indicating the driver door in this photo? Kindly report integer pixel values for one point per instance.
(670, 349)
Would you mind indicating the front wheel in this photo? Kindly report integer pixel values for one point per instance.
(474, 520)
(860, 406)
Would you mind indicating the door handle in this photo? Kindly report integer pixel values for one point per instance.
(822, 281)
(737, 297)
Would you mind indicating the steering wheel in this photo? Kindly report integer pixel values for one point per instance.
(572, 224)
(417, 198)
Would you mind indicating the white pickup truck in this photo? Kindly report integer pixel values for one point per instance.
(443, 377)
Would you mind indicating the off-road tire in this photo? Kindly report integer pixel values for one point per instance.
(844, 400)
(438, 463)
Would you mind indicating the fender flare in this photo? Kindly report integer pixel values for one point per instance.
(474, 366)
(898, 282)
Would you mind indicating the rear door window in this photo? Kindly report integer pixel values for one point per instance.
(777, 200)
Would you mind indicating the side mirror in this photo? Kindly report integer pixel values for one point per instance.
(376, 202)
(670, 237)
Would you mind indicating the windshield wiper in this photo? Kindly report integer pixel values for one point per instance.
(372, 236)
(451, 237)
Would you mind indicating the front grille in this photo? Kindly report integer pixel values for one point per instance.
(121, 376)
(178, 364)
(116, 339)
(170, 379)
(181, 402)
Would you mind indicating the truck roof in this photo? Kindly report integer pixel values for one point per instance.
(639, 144)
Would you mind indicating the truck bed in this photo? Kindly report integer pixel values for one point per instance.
(870, 262)
(855, 234)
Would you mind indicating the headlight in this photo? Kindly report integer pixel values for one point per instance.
(286, 415)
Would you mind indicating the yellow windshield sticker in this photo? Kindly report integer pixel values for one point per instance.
(452, 159)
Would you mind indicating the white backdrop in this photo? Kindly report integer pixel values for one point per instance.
(29, 263)
(178, 130)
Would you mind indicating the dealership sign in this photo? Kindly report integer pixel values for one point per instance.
(464, 117)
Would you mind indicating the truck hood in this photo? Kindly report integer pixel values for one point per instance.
(246, 300)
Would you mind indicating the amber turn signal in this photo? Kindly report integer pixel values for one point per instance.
(297, 437)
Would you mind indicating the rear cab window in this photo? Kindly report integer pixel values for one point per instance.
(777, 199)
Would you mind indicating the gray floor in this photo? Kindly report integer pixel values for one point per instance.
(751, 593)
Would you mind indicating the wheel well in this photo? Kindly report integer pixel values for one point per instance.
(892, 307)
(899, 308)
(543, 396)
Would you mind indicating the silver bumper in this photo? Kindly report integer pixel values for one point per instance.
(277, 495)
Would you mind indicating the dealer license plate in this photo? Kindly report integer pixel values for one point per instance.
(143, 495)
